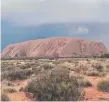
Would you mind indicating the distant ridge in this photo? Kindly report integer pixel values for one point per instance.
(55, 47)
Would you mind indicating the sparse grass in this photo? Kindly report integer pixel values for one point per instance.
(102, 99)
(92, 73)
(9, 90)
(67, 65)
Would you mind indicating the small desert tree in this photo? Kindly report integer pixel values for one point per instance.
(55, 86)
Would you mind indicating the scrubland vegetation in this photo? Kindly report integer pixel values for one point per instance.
(53, 80)
(103, 85)
(4, 97)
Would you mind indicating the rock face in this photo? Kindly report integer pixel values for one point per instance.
(55, 47)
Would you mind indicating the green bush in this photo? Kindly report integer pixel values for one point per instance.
(103, 85)
(55, 86)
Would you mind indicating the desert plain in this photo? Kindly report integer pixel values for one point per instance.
(68, 79)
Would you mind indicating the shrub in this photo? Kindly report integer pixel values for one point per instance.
(37, 70)
(99, 67)
(105, 55)
(92, 73)
(58, 72)
(16, 74)
(9, 90)
(103, 85)
(22, 89)
(107, 77)
(103, 99)
(82, 67)
(27, 65)
(7, 83)
(6, 67)
(84, 82)
(67, 65)
(102, 74)
(55, 86)
(4, 97)
(47, 65)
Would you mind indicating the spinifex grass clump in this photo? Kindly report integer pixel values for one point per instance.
(55, 85)
(103, 85)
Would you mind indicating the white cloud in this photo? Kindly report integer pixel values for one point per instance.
(33, 12)
(20, 5)
(82, 30)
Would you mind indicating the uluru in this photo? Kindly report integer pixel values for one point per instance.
(55, 47)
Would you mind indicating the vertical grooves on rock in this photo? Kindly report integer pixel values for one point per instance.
(60, 47)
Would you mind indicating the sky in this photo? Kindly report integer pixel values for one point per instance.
(22, 19)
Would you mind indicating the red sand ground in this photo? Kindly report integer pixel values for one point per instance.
(19, 96)
(92, 94)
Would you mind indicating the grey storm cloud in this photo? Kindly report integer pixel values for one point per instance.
(33, 12)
